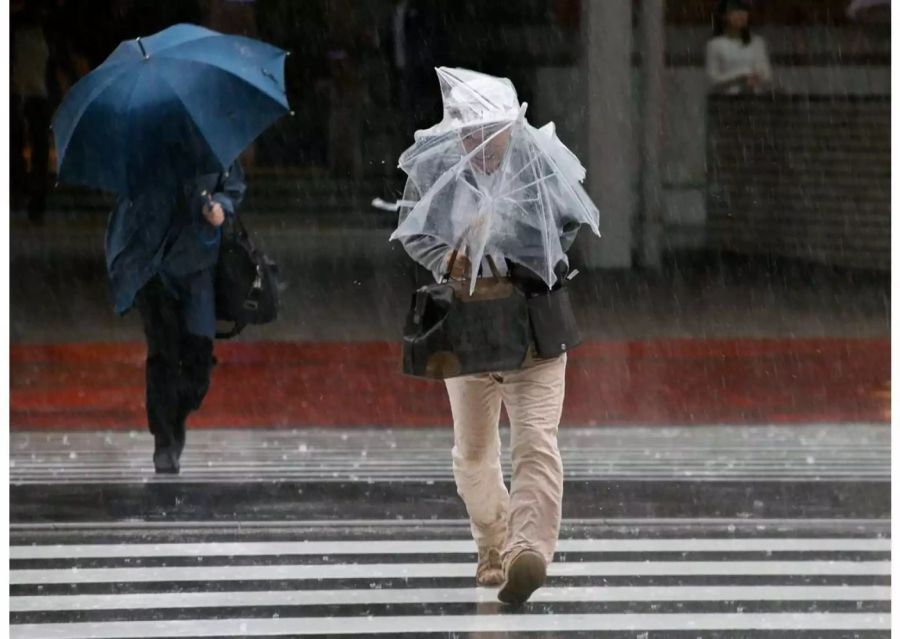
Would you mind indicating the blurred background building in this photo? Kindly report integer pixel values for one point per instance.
(761, 216)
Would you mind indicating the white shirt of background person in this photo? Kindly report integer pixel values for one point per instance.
(733, 64)
(728, 60)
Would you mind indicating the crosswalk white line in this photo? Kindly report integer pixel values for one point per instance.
(426, 570)
(763, 523)
(593, 442)
(821, 434)
(188, 476)
(823, 452)
(453, 623)
(599, 459)
(431, 469)
(445, 546)
(399, 457)
(275, 598)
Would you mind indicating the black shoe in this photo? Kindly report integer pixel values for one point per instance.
(524, 574)
(166, 461)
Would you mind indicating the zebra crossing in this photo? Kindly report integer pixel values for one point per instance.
(652, 579)
(718, 453)
(668, 533)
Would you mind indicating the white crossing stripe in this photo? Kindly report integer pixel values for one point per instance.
(849, 596)
(424, 570)
(733, 524)
(274, 598)
(453, 623)
(854, 452)
(447, 546)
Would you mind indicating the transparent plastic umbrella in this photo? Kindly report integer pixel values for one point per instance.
(486, 182)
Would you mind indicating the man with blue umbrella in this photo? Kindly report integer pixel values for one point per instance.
(162, 246)
(161, 122)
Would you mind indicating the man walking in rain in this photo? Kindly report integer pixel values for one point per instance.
(487, 183)
(162, 246)
(161, 123)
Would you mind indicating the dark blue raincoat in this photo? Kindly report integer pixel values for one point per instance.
(163, 232)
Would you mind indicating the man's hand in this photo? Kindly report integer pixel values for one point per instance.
(214, 213)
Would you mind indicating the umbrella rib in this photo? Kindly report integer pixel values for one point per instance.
(236, 77)
(468, 156)
(128, 130)
(530, 184)
(523, 169)
(259, 44)
(230, 72)
(547, 237)
(481, 97)
(84, 110)
(457, 167)
(193, 120)
(591, 216)
(474, 190)
(86, 103)
(505, 162)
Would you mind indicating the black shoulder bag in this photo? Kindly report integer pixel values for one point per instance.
(246, 281)
(450, 333)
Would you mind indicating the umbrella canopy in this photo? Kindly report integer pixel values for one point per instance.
(489, 183)
(181, 103)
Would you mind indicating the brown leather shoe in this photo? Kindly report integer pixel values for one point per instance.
(525, 573)
(490, 568)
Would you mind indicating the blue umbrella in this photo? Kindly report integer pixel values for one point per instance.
(162, 109)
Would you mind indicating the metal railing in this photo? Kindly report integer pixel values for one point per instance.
(800, 176)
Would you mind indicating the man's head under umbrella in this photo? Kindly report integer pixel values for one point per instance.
(525, 192)
(487, 143)
(482, 110)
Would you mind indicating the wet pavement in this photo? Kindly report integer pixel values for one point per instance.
(668, 533)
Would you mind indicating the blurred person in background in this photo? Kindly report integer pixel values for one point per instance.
(162, 246)
(419, 43)
(30, 107)
(869, 10)
(348, 44)
(875, 17)
(736, 59)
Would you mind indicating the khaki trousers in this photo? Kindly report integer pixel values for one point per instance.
(528, 516)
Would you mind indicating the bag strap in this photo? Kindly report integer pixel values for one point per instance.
(450, 264)
(452, 261)
(236, 329)
(490, 260)
(493, 266)
(234, 226)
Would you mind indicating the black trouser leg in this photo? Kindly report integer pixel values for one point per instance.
(196, 366)
(161, 318)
